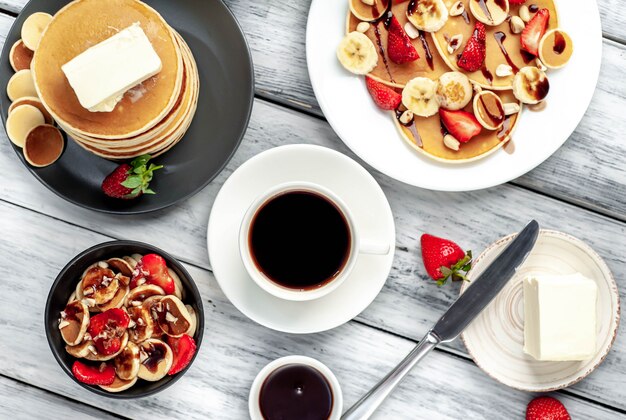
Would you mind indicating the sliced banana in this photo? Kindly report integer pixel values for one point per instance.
(19, 123)
(127, 362)
(33, 28)
(420, 96)
(454, 91)
(119, 385)
(74, 322)
(357, 53)
(179, 290)
(490, 12)
(21, 84)
(531, 85)
(174, 319)
(194, 321)
(156, 359)
(428, 15)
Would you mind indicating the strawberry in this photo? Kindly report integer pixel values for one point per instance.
(384, 96)
(517, 1)
(107, 330)
(153, 269)
(399, 47)
(443, 259)
(130, 181)
(461, 124)
(534, 30)
(475, 50)
(546, 408)
(183, 348)
(94, 375)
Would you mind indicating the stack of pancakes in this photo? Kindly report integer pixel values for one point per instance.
(153, 116)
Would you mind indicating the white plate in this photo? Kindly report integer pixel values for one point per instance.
(495, 339)
(372, 135)
(345, 178)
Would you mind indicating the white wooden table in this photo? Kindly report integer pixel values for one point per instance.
(580, 190)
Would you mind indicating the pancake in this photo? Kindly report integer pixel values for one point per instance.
(494, 57)
(398, 75)
(426, 136)
(84, 23)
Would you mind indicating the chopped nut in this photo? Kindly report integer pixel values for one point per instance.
(170, 318)
(63, 314)
(103, 264)
(92, 349)
(451, 142)
(87, 337)
(524, 13)
(504, 70)
(363, 27)
(457, 9)
(63, 324)
(517, 25)
(135, 303)
(454, 43)
(477, 88)
(140, 322)
(369, 2)
(141, 281)
(89, 302)
(89, 291)
(511, 108)
(102, 366)
(142, 356)
(406, 117)
(132, 324)
(540, 65)
(411, 30)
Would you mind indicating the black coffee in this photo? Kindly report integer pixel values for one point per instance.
(300, 240)
(296, 392)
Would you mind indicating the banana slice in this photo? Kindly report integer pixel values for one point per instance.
(141, 325)
(420, 96)
(20, 57)
(21, 84)
(74, 322)
(127, 362)
(99, 283)
(34, 101)
(19, 123)
(194, 321)
(427, 15)
(490, 12)
(119, 385)
(33, 28)
(357, 53)
(174, 319)
(179, 291)
(531, 85)
(156, 360)
(454, 91)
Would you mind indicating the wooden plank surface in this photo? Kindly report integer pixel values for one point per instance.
(217, 385)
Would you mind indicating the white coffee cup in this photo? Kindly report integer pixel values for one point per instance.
(357, 245)
(255, 389)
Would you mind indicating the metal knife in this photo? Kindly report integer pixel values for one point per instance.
(455, 320)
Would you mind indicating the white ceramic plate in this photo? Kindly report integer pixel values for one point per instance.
(495, 339)
(371, 133)
(301, 163)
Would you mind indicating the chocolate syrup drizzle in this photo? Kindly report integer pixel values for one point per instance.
(485, 71)
(429, 54)
(500, 37)
(559, 43)
(386, 19)
(412, 128)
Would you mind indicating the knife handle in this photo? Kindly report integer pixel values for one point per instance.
(366, 406)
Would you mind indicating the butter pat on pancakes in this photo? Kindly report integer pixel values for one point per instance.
(560, 317)
(101, 75)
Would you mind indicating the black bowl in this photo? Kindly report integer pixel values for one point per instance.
(224, 106)
(65, 284)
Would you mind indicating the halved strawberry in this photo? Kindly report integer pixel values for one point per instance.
(475, 50)
(183, 348)
(444, 259)
(107, 330)
(104, 374)
(153, 269)
(534, 31)
(461, 124)
(399, 47)
(384, 96)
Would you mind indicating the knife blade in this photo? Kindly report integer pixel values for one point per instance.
(455, 320)
(487, 285)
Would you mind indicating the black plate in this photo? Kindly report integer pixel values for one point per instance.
(224, 107)
(65, 284)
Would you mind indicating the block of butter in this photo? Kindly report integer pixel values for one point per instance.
(560, 317)
(101, 75)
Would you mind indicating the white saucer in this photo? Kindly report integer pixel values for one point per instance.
(495, 339)
(344, 177)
